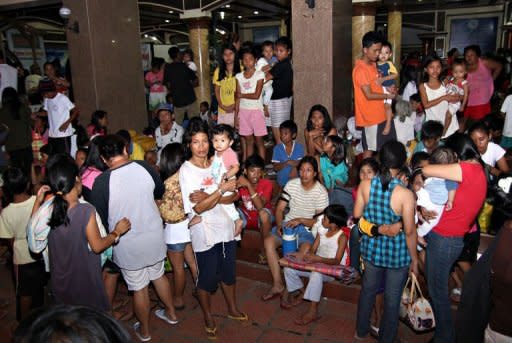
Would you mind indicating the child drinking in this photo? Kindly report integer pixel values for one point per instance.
(29, 272)
(388, 75)
(334, 172)
(318, 126)
(98, 125)
(431, 133)
(76, 277)
(249, 107)
(225, 166)
(328, 248)
(436, 194)
(457, 85)
(287, 154)
(435, 99)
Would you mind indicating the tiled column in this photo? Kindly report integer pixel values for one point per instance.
(363, 20)
(395, 34)
(198, 38)
(106, 62)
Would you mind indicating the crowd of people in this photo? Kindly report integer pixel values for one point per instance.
(397, 189)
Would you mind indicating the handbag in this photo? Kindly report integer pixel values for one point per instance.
(415, 310)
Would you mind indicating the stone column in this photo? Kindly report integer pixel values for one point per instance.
(198, 39)
(395, 34)
(106, 62)
(363, 20)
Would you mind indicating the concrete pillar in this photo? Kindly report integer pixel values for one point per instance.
(198, 39)
(363, 20)
(395, 34)
(321, 66)
(106, 61)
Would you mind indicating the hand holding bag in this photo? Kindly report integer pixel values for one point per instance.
(415, 310)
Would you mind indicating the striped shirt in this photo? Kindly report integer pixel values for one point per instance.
(383, 251)
(304, 203)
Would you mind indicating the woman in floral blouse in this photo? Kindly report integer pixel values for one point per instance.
(177, 233)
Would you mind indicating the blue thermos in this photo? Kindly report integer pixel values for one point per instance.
(289, 240)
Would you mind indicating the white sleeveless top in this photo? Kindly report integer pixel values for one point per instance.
(328, 245)
(438, 112)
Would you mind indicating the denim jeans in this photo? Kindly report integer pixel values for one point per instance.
(355, 248)
(442, 253)
(342, 196)
(395, 282)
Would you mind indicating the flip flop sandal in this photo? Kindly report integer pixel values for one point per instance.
(211, 333)
(243, 318)
(301, 322)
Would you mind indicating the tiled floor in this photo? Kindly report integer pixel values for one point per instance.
(268, 322)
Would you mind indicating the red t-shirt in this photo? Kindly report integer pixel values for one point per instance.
(264, 189)
(469, 198)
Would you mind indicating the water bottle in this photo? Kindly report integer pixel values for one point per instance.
(289, 240)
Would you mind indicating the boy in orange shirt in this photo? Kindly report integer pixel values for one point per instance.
(368, 95)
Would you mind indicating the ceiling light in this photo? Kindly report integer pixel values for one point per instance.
(228, 6)
(256, 12)
(167, 21)
(239, 17)
(222, 14)
(146, 35)
(153, 38)
(171, 12)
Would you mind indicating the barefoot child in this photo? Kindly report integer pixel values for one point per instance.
(328, 248)
(388, 75)
(225, 166)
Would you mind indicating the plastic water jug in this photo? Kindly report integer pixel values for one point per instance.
(289, 240)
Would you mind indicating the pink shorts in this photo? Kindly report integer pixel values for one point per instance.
(252, 122)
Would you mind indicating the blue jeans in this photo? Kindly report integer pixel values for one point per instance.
(342, 196)
(395, 282)
(303, 235)
(442, 253)
(355, 248)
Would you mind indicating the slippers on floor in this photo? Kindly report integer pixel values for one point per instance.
(160, 313)
(211, 333)
(136, 327)
(302, 322)
(243, 318)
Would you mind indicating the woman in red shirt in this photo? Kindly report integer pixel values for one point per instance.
(445, 241)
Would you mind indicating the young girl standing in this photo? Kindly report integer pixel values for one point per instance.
(249, 106)
(434, 97)
(225, 85)
(76, 277)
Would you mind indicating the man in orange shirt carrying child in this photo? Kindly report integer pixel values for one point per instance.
(369, 97)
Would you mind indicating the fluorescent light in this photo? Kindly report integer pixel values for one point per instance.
(171, 12)
(256, 12)
(153, 38)
(228, 6)
(239, 17)
(222, 14)
(167, 21)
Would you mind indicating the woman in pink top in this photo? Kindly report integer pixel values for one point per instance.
(91, 169)
(446, 240)
(481, 76)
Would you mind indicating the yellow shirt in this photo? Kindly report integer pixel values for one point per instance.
(137, 152)
(227, 89)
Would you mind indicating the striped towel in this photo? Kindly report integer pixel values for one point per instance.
(345, 274)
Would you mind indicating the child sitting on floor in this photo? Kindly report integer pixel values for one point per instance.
(328, 248)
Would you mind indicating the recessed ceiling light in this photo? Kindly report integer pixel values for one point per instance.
(239, 17)
(256, 12)
(171, 12)
(228, 6)
(146, 35)
(167, 21)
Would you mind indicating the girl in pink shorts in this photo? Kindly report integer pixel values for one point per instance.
(249, 117)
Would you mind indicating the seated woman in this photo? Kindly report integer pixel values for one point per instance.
(329, 248)
(212, 237)
(491, 153)
(318, 126)
(304, 196)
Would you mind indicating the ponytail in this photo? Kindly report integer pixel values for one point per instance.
(385, 177)
(62, 175)
(392, 155)
(60, 211)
